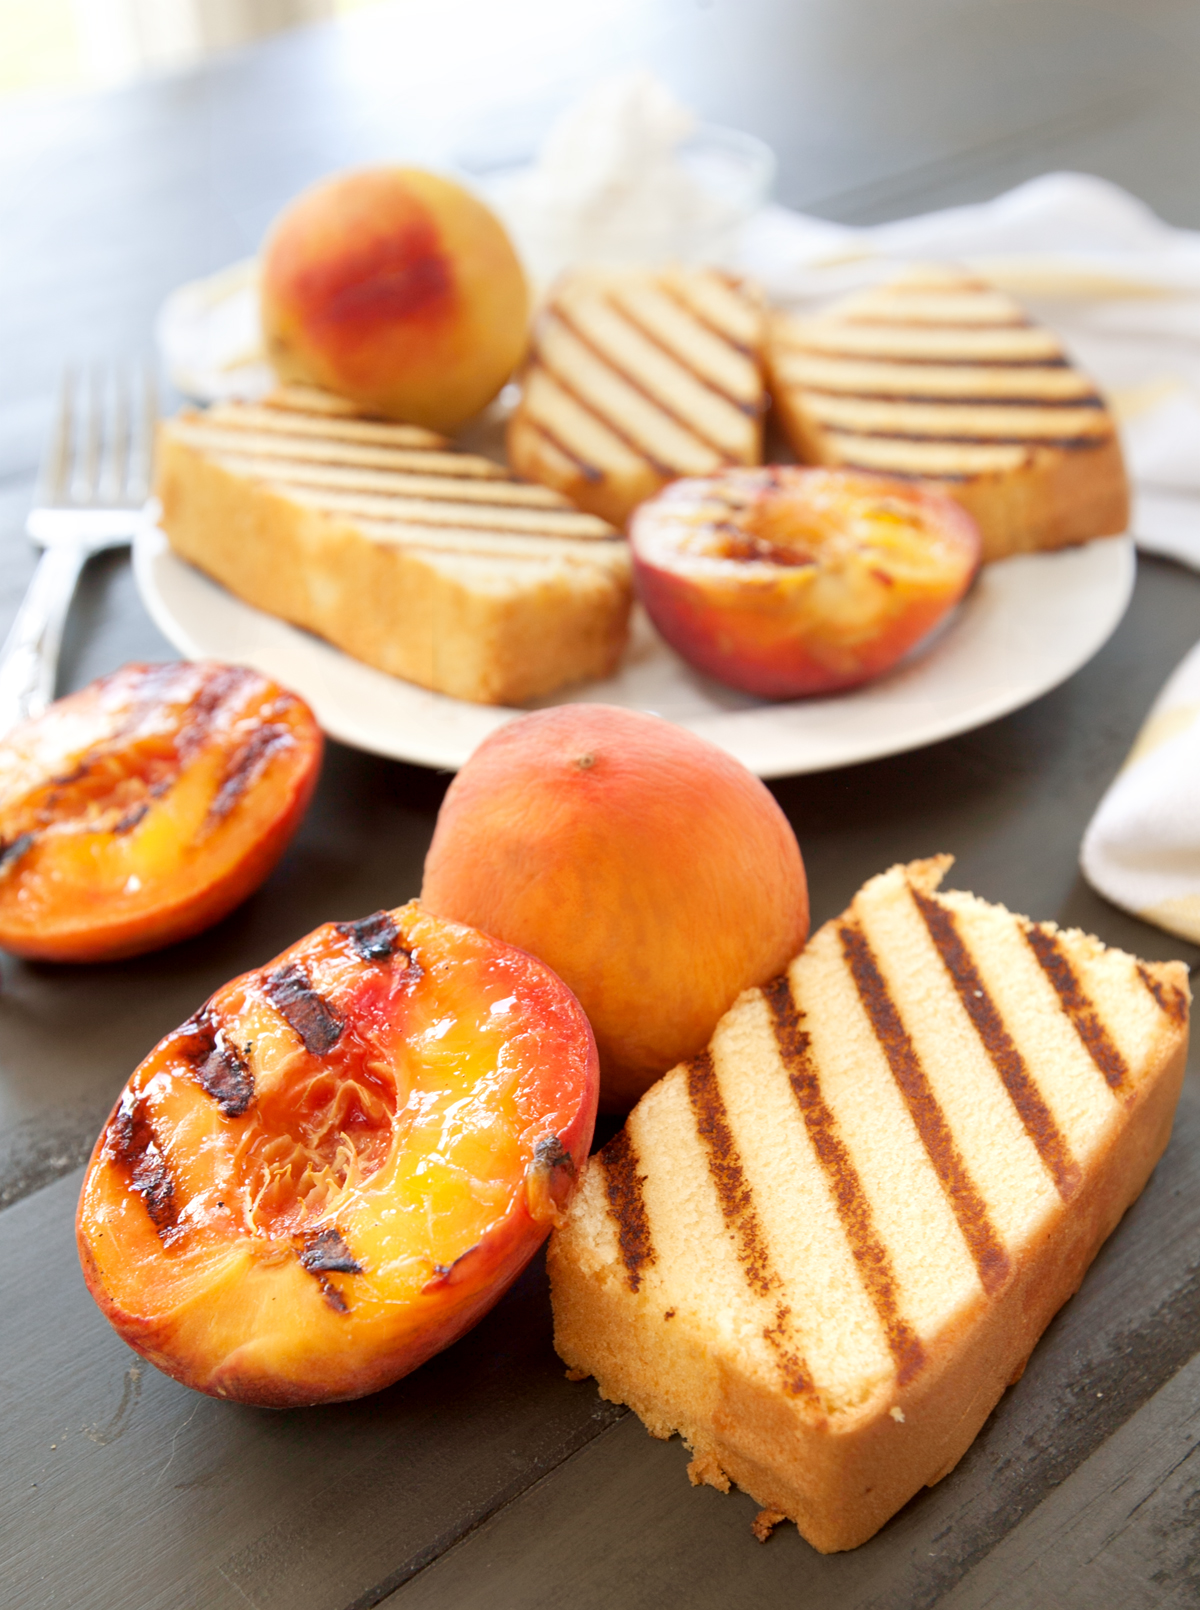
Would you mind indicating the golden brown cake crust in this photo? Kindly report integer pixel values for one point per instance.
(495, 617)
(919, 401)
(838, 1464)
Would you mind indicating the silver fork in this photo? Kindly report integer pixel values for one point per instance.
(94, 483)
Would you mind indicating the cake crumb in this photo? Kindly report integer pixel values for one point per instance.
(897, 1413)
(578, 1375)
(765, 1523)
(705, 1471)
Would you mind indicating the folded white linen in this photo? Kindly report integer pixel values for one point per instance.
(1121, 288)
(1142, 847)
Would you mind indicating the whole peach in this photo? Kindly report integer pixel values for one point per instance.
(653, 872)
(398, 289)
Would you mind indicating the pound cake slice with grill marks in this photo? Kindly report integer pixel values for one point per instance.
(431, 564)
(635, 378)
(823, 1249)
(939, 376)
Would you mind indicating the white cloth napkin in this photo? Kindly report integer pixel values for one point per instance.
(1142, 847)
(1120, 287)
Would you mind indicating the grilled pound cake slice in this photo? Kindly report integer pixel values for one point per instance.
(427, 563)
(823, 1249)
(635, 378)
(939, 376)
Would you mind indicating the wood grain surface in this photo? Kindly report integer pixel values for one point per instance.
(486, 1478)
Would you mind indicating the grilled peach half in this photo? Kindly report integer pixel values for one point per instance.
(146, 806)
(783, 581)
(341, 1162)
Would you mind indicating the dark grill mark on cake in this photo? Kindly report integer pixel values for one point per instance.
(681, 300)
(373, 937)
(736, 1203)
(1077, 1006)
(659, 466)
(623, 1188)
(853, 1203)
(1066, 444)
(937, 399)
(969, 1207)
(291, 994)
(733, 1190)
(778, 1336)
(907, 358)
(737, 1206)
(247, 764)
(998, 1043)
(588, 470)
(681, 358)
(133, 1144)
(667, 409)
(1170, 997)
(305, 427)
(957, 476)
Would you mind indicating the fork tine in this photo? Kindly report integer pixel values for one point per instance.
(144, 415)
(57, 466)
(114, 476)
(87, 470)
(100, 451)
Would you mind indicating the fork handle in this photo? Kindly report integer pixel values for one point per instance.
(29, 659)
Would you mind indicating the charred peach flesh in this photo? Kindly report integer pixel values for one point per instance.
(146, 806)
(398, 289)
(341, 1162)
(785, 581)
(651, 870)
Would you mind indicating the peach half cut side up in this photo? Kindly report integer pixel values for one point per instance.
(341, 1162)
(786, 582)
(146, 806)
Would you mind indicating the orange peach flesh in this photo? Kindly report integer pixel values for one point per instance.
(785, 581)
(290, 1217)
(398, 289)
(146, 806)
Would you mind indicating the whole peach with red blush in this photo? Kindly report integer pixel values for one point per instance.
(655, 874)
(398, 289)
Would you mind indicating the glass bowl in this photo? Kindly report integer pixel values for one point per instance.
(689, 213)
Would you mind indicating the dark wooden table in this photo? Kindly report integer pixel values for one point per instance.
(486, 1478)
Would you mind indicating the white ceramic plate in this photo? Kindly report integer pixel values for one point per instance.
(1027, 624)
